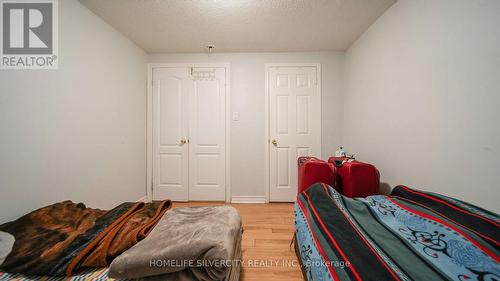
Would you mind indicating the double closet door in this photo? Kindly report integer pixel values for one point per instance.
(189, 133)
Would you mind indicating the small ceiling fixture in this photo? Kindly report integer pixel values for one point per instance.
(210, 48)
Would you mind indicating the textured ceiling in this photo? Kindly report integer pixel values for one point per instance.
(240, 25)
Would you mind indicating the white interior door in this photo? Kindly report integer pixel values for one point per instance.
(189, 133)
(294, 126)
(170, 130)
(207, 171)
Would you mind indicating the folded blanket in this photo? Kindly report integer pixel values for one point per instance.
(65, 237)
(197, 243)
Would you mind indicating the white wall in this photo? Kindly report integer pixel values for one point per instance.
(419, 97)
(77, 132)
(248, 98)
(422, 97)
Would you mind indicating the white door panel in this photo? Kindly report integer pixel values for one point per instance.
(207, 135)
(170, 156)
(295, 125)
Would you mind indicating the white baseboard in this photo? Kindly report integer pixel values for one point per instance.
(143, 199)
(234, 199)
(248, 199)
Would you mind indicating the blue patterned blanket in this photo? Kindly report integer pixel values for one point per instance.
(409, 235)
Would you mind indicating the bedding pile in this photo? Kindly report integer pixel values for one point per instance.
(409, 235)
(192, 243)
(66, 237)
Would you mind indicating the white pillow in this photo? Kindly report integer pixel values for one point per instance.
(6, 244)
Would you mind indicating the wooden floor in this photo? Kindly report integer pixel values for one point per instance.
(268, 231)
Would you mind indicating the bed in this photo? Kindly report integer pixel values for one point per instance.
(408, 235)
(146, 241)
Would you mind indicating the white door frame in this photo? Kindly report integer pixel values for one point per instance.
(267, 140)
(149, 121)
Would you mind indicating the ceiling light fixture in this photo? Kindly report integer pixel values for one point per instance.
(210, 48)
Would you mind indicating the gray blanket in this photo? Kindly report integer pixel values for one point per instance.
(195, 243)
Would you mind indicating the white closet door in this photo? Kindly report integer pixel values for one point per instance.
(207, 171)
(295, 126)
(170, 130)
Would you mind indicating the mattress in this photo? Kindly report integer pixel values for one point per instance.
(409, 235)
(94, 275)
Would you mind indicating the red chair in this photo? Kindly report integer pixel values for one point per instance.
(313, 170)
(354, 178)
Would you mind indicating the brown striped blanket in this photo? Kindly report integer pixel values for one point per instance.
(66, 237)
(408, 235)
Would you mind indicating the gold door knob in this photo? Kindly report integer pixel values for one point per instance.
(183, 142)
(274, 142)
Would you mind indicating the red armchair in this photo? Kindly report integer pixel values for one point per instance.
(355, 178)
(313, 170)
